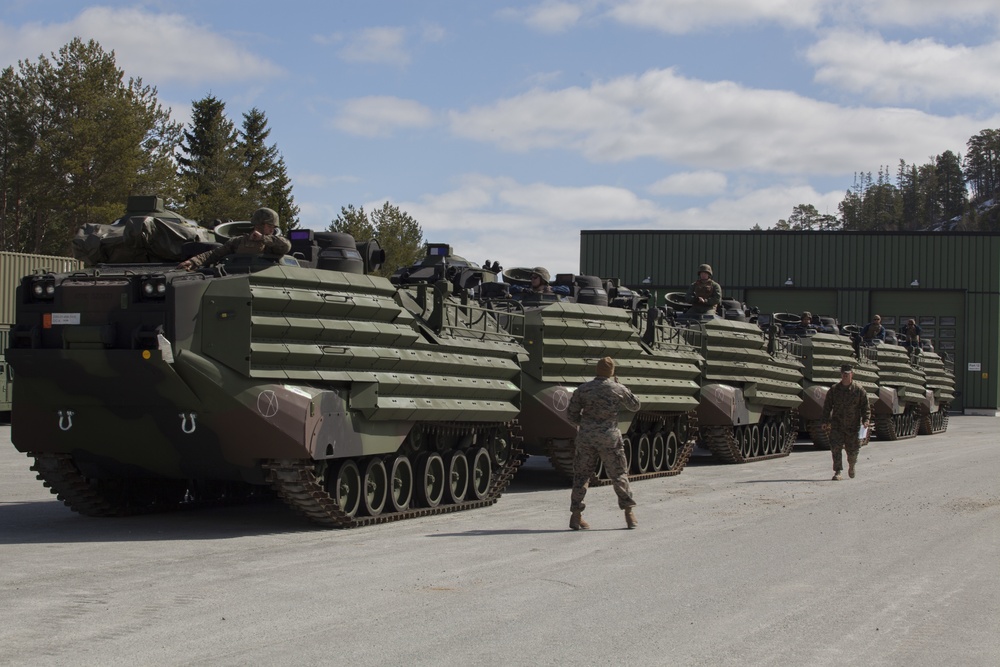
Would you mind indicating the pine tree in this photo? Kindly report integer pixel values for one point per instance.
(214, 178)
(982, 165)
(399, 234)
(76, 141)
(268, 183)
(952, 195)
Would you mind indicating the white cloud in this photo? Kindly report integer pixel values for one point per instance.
(763, 206)
(380, 116)
(432, 32)
(916, 71)
(553, 16)
(720, 126)
(383, 45)
(539, 224)
(683, 16)
(691, 183)
(321, 180)
(913, 13)
(583, 204)
(182, 50)
(678, 17)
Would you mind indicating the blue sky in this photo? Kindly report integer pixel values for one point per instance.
(505, 128)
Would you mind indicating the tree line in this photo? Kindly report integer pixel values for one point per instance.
(77, 139)
(946, 193)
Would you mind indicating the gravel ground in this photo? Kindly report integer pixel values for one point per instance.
(762, 564)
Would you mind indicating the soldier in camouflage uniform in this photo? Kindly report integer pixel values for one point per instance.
(704, 295)
(594, 409)
(261, 240)
(845, 410)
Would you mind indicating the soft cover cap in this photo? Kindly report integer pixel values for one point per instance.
(606, 367)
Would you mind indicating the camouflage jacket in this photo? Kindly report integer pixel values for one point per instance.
(244, 245)
(873, 330)
(595, 405)
(848, 406)
(709, 290)
(912, 333)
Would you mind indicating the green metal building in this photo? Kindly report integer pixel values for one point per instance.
(14, 266)
(948, 282)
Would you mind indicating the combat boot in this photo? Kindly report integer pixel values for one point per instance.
(630, 519)
(836, 476)
(850, 469)
(576, 521)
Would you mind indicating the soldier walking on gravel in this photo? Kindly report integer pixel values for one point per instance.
(845, 411)
(594, 408)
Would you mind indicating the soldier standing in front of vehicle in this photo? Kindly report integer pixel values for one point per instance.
(704, 295)
(262, 240)
(594, 408)
(845, 411)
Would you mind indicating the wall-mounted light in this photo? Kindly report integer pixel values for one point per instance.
(788, 282)
(915, 283)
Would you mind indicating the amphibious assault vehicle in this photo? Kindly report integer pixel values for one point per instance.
(939, 374)
(750, 384)
(565, 336)
(823, 354)
(901, 391)
(141, 387)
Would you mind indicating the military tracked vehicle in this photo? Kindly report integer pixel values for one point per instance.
(565, 336)
(901, 390)
(823, 354)
(939, 374)
(751, 385)
(142, 387)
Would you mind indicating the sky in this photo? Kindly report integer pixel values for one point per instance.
(505, 128)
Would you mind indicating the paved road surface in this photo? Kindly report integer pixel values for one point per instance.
(762, 564)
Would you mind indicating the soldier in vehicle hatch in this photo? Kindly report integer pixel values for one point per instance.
(704, 295)
(539, 284)
(873, 331)
(594, 408)
(262, 240)
(845, 411)
(911, 334)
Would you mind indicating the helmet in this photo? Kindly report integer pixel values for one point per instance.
(706, 268)
(542, 273)
(806, 315)
(264, 216)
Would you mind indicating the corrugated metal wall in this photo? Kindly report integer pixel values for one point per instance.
(856, 264)
(14, 266)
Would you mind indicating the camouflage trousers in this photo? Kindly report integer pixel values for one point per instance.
(612, 454)
(840, 440)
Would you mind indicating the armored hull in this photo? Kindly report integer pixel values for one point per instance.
(939, 374)
(750, 394)
(564, 341)
(901, 393)
(355, 400)
(823, 356)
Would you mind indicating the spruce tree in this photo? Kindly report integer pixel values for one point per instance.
(76, 140)
(211, 166)
(268, 183)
